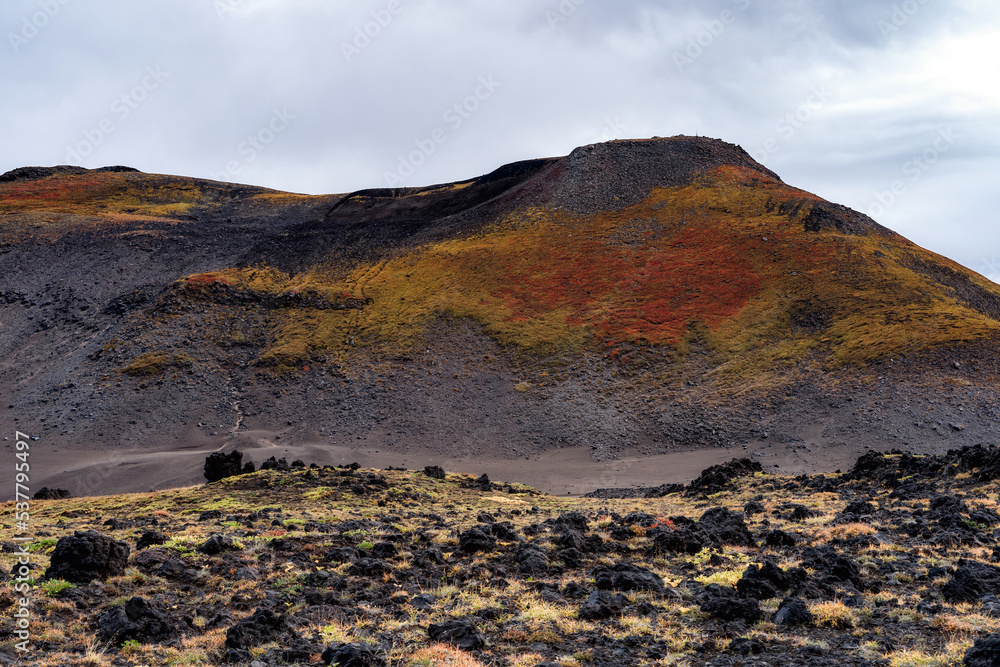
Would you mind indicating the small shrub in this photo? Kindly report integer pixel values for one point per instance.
(53, 587)
(833, 614)
(131, 646)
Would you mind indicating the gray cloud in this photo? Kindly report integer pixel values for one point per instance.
(837, 96)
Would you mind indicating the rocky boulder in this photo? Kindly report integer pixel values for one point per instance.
(260, 628)
(601, 605)
(628, 577)
(984, 653)
(793, 612)
(460, 632)
(45, 493)
(716, 527)
(763, 582)
(972, 581)
(219, 466)
(357, 654)
(475, 540)
(86, 556)
(138, 621)
(717, 477)
(434, 472)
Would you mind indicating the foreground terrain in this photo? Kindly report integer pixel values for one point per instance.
(887, 564)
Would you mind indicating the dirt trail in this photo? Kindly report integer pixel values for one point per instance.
(560, 471)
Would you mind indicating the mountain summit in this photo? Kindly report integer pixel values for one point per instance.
(633, 297)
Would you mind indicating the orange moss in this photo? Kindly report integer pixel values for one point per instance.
(105, 195)
(725, 261)
(203, 279)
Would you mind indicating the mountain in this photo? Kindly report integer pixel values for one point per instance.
(632, 299)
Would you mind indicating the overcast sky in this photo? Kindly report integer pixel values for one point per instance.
(889, 106)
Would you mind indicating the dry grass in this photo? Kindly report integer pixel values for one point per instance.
(442, 655)
(678, 623)
(846, 531)
(833, 614)
(952, 656)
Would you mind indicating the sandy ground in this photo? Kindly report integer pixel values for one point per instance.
(561, 471)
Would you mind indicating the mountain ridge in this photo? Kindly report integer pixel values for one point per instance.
(633, 297)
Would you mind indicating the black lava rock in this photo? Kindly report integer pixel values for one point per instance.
(779, 538)
(483, 483)
(434, 472)
(726, 527)
(835, 567)
(370, 567)
(45, 493)
(628, 577)
(792, 612)
(745, 646)
(87, 556)
(281, 465)
(137, 621)
(503, 531)
(216, 544)
(730, 609)
(570, 521)
(714, 479)
(601, 605)
(716, 527)
(352, 655)
(149, 539)
(262, 627)
(531, 559)
(971, 581)
(219, 466)
(460, 631)
(423, 602)
(475, 540)
(763, 582)
(799, 513)
(984, 653)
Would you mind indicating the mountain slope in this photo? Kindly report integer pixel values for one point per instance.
(633, 296)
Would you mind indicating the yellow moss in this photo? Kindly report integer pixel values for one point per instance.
(719, 265)
(150, 363)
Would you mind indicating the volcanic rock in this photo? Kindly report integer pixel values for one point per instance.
(87, 556)
(461, 632)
